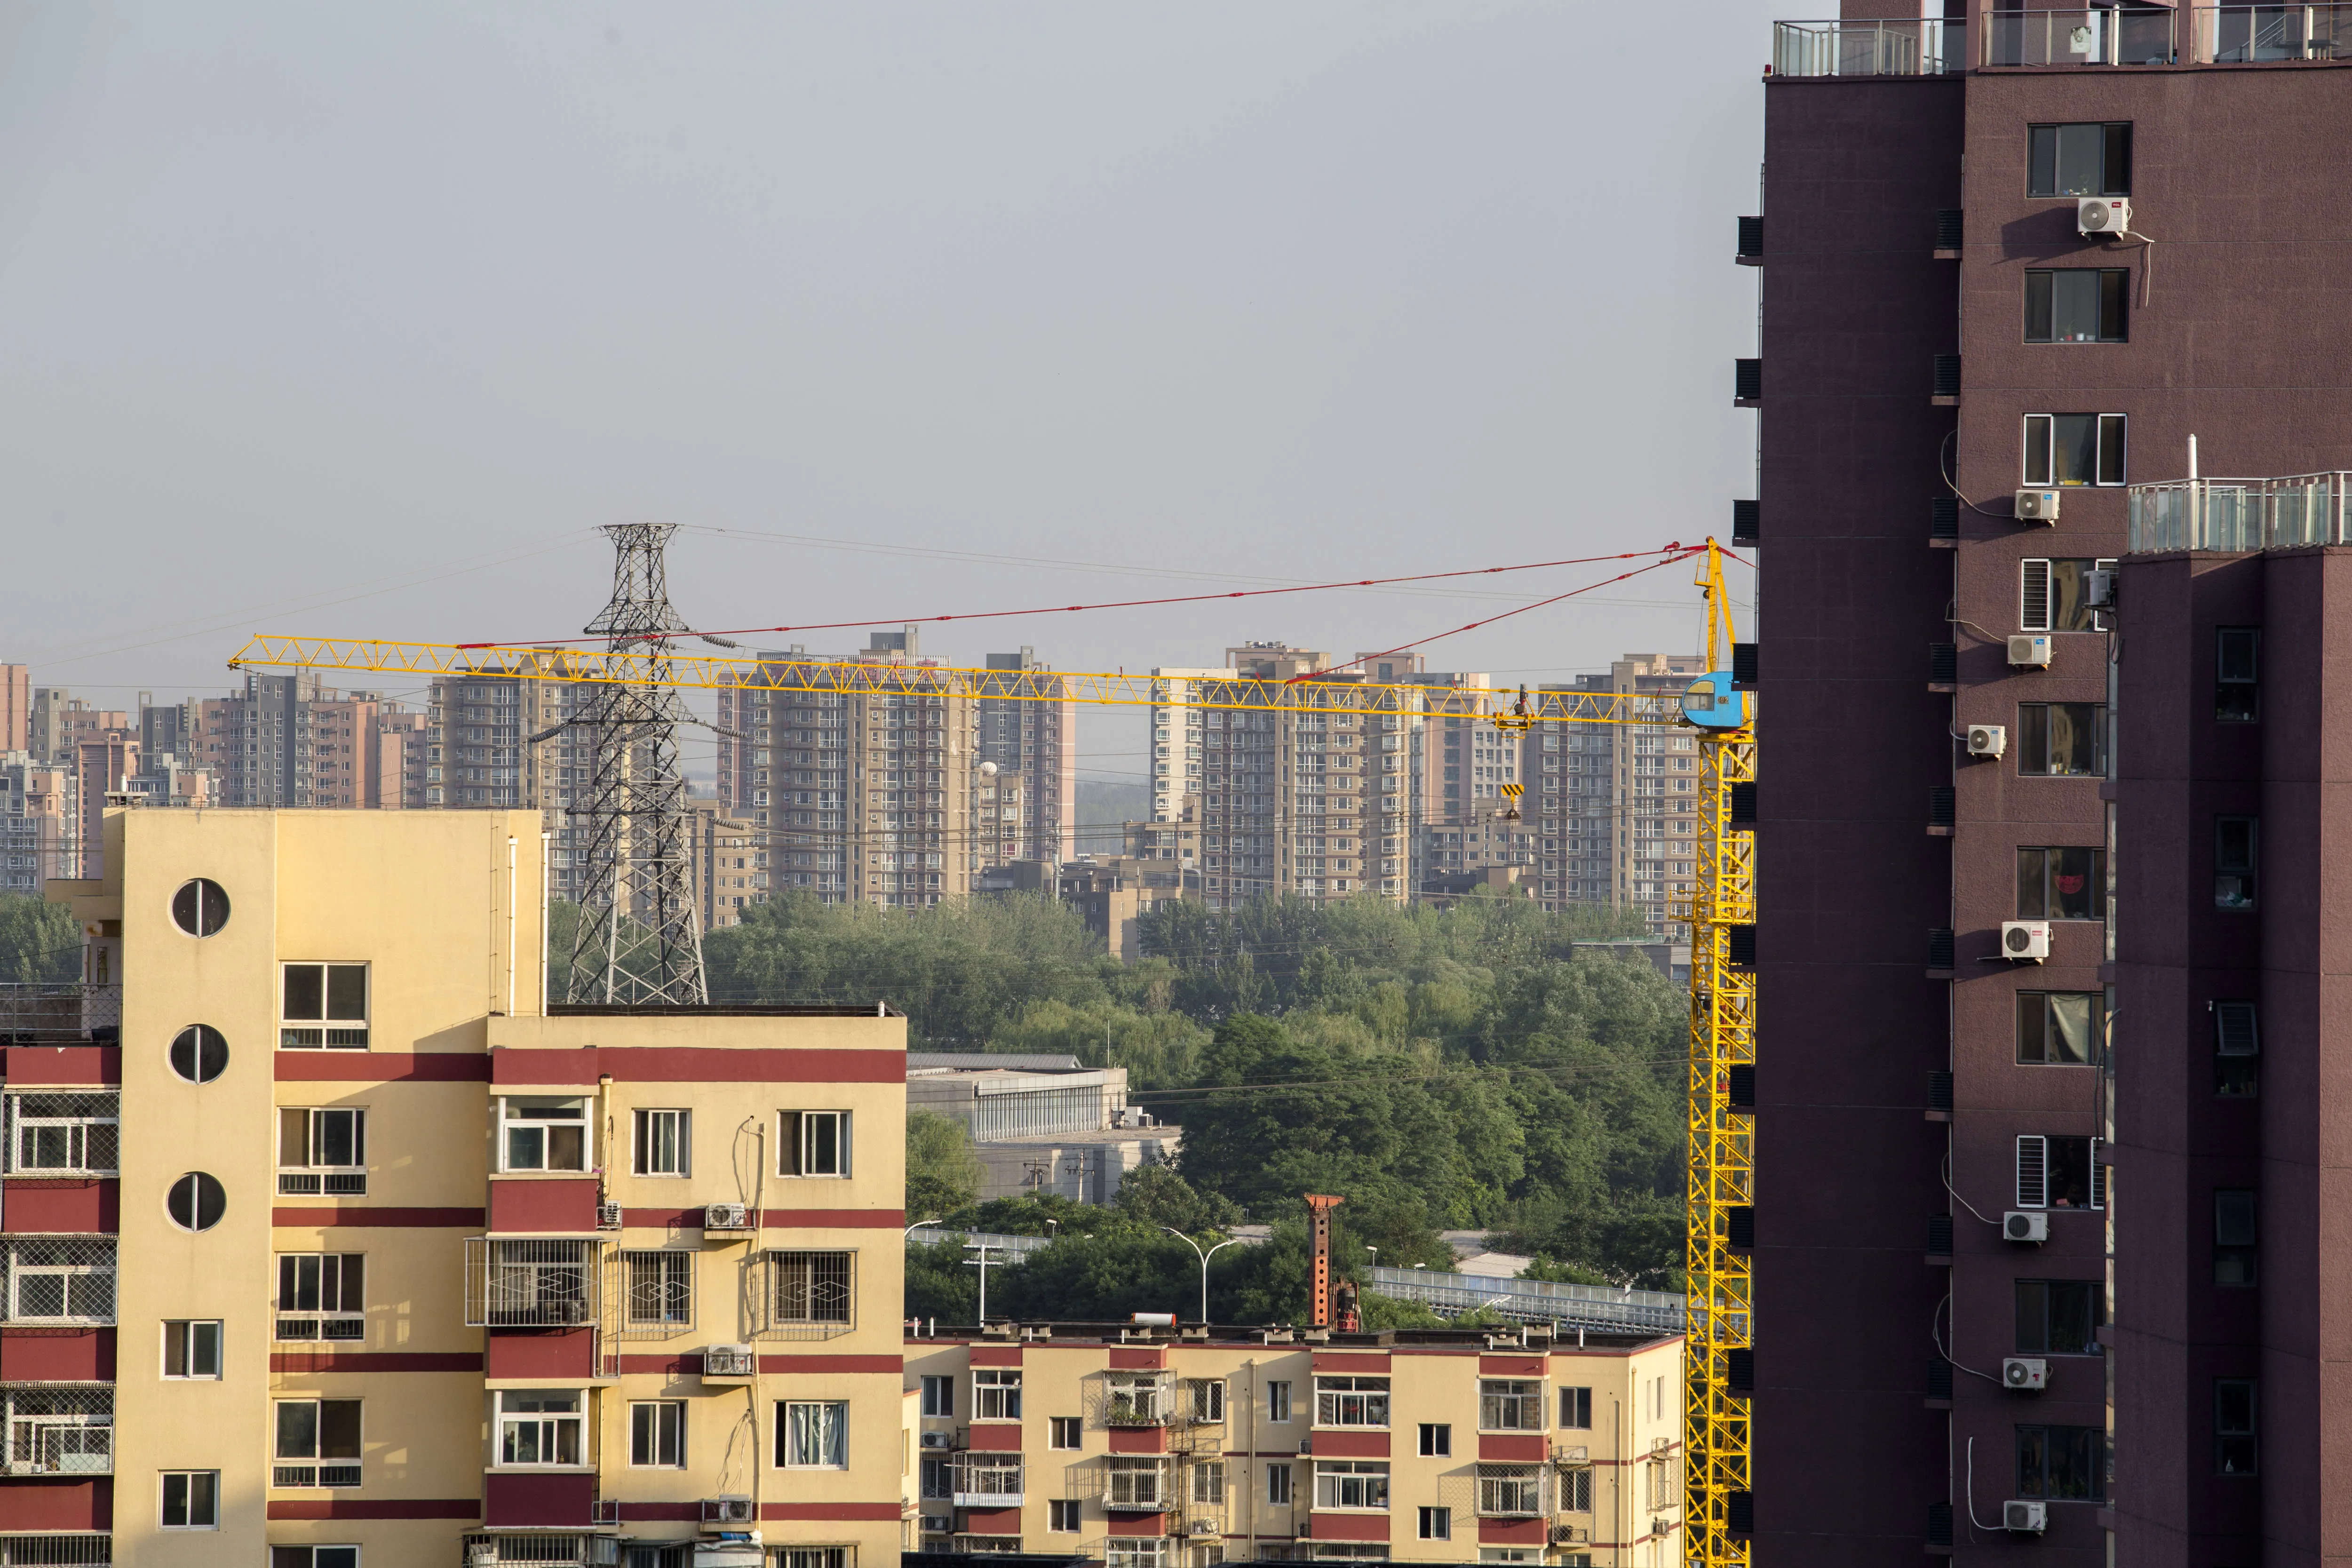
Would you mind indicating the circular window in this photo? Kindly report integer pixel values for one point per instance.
(195, 1202)
(200, 907)
(199, 1054)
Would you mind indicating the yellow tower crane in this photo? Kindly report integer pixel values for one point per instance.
(1720, 913)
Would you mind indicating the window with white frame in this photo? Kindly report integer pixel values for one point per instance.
(530, 1282)
(938, 1396)
(1209, 1483)
(1437, 1524)
(1277, 1401)
(1064, 1515)
(314, 1557)
(2058, 1173)
(542, 1133)
(1510, 1492)
(662, 1143)
(1352, 1401)
(1351, 1484)
(318, 1443)
(1134, 1399)
(812, 1433)
(323, 1152)
(1576, 1489)
(1064, 1432)
(60, 1280)
(65, 1133)
(657, 1434)
(1135, 1551)
(324, 1007)
(813, 1144)
(814, 1557)
(191, 1500)
(812, 1290)
(1510, 1405)
(1207, 1399)
(2074, 448)
(2054, 595)
(541, 1426)
(1277, 1486)
(996, 1394)
(192, 1348)
(657, 1289)
(1134, 1482)
(320, 1296)
(51, 1429)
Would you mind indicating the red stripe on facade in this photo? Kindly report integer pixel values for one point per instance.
(1137, 1524)
(378, 1508)
(1348, 1526)
(382, 1067)
(81, 1065)
(995, 1438)
(661, 1514)
(1351, 1445)
(380, 1218)
(56, 1356)
(1137, 1439)
(58, 1505)
(1137, 1360)
(376, 1360)
(835, 1219)
(996, 1355)
(1511, 1532)
(83, 1206)
(1511, 1365)
(1351, 1360)
(816, 1364)
(1514, 1448)
(694, 1064)
(834, 1510)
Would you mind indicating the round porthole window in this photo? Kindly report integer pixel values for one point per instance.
(195, 1202)
(200, 907)
(199, 1054)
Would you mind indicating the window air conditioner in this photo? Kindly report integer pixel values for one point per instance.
(1988, 740)
(608, 1216)
(2024, 939)
(2102, 217)
(2025, 1516)
(2099, 588)
(724, 1511)
(2028, 652)
(2036, 506)
(731, 1360)
(736, 1217)
(939, 1440)
(2024, 1374)
(2026, 1225)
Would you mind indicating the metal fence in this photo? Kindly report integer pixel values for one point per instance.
(57, 1550)
(1019, 1246)
(1839, 47)
(1535, 1300)
(2098, 36)
(530, 1283)
(2239, 514)
(55, 1430)
(64, 1015)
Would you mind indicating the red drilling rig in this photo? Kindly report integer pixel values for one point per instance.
(1334, 1305)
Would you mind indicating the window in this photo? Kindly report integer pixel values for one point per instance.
(2093, 160)
(1209, 1483)
(2074, 448)
(938, 1479)
(1359, 1484)
(2064, 884)
(2062, 1463)
(1134, 1399)
(64, 1134)
(1515, 1491)
(320, 1296)
(1207, 1397)
(2236, 1048)
(658, 1433)
(2234, 1238)
(658, 1287)
(2053, 596)
(1277, 1401)
(1509, 1405)
(192, 1348)
(312, 1432)
(809, 1287)
(661, 1142)
(813, 1143)
(2236, 840)
(1063, 1515)
(1064, 1432)
(200, 909)
(996, 1394)
(530, 1284)
(2237, 668)
(2077, 305)
(2060, 1028)
(2062, 740)
(1352, 1401)
(314, 1557)
(543, 1134)
(2059, 1173)
(938, 1396)
(326, 1006)
(2234, 1453)
(541, 1427)
(1437, 1524)
(195, 1202)
(1576, 1409)
(60, 1280)
(2060, 1317)
(323, 1152)
(191, 1498)
(1576, 1490)
(1277, 1486)
(199, 1054)
(1134, 1483)
(813, 1434)
(1436, 1440)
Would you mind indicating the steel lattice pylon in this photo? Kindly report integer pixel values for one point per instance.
(639, 940)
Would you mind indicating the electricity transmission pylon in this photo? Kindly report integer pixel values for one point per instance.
(639, 940)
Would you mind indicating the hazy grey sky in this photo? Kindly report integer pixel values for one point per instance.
(303, 303)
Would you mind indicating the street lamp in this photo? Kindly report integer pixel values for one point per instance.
(1204, 1256)
(921, 1224)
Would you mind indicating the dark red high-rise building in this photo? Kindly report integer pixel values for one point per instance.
(2053, 1221)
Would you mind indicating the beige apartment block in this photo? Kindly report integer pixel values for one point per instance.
(38, 834)
(1615, 807)
(16, 707)
(339, 1242)
(1177, 728)
(725, 855)
(1141, 1447)
(1034, 742)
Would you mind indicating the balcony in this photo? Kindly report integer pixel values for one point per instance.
(68, 1015)
(57, 1431)
(530, 1284)
(988, 1481)
(1837, 47)
(1137, 1486)
(2239, 514)
(2042, 40)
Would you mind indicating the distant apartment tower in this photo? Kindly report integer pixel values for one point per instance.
(728, 868)
(37, 831)
(286, 741)
(16, 707)
(60, 720)
(479, 754)
(1175, 739)
(401, 741)
(1036, 740)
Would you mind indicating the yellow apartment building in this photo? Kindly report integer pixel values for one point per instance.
(1166, 1447)
(328, 1244)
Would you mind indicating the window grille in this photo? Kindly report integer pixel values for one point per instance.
(545, 1551)
(58, 1279)
(988, 1480)
(1135, 1399)
(55, 1431)
(72, 1133)
(57, 1550)
(1510, 1492)
(656, 1294)
(805, 1295)
(1135, 1483)
(530, 1283)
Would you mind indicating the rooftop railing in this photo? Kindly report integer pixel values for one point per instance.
(1898, 47)
(2239, 514)
(60, 1015)
(1534, 1300)
(2108, 36)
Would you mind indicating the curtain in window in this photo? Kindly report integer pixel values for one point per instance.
(817, 1435)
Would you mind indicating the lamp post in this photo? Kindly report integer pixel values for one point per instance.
(921, 1224)
(1204, 1256)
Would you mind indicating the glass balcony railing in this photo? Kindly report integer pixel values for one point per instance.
(1867, 48)
(2098, 36)
(2239, 514)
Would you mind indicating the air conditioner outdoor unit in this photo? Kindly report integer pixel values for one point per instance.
(2036, 506)
(2099, 588)
(728, 1216)
(732, 1360)
(605, 1551)
(2026, 1225)
(2025, 1374)
(939, 1440)
(608, 1216)
(1988, 740)
(2025, 1516)
(1203, 1527)
(730, 1509)
(2102, 216)
(2027, 651)
(482, 1554)
(2024, 939)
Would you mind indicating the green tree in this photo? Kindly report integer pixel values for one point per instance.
(943, 1174)
(39, 941)
(1156, 1195)
(939, 1285)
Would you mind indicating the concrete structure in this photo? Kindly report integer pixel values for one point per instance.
(1042, 1124)
(1112, 893)
(1938, 334)
(1034, 746)
(288, 741)
(16, 707)
(1177, 733)
(727, 858)
(1161, 1449)
(375, 1279)
(62, 721)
